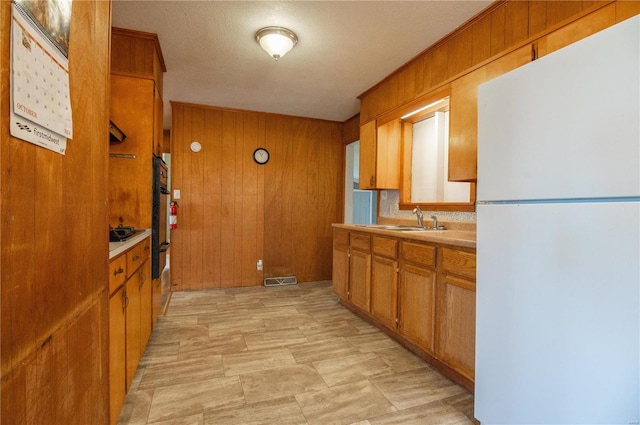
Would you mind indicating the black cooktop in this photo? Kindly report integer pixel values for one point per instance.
(121, 233)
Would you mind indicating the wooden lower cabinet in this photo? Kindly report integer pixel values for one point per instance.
(384, 281)
(384, 290)
(132, 328)
(117, 354)
(421, 293)
(457, 310)
(417, 305)
(457, 324)
(340, 271)
(130, 321)
(360, 279)
(138, 325)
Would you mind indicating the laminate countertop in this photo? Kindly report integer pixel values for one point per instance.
(461, 238)
(117, 248)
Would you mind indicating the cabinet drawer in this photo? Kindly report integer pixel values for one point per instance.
(117, 272)
(340, 238)
(459, 262)
(134, 259)
(417, 253)
(361, 242)
(385, 247)
(145, 248)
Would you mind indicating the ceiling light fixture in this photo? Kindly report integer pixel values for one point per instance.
(276, 41)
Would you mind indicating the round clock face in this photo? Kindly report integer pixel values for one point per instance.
(261, 156)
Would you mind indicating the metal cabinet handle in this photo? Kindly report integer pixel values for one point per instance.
(372, 181)
(119, 271)
(125, 301)
(136, 257)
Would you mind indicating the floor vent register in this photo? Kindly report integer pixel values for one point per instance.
(280, 281)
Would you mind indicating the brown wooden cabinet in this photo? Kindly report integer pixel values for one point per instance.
(340, 271)
(117, 353)
(463, 126)
(138, 320)
(457, 310)
(463, 113)
(418, 293)
(132, 328)
(384, 281)
(575, 31)
(421, 293)
(380, 155)
(130, 319)
(137, 66)
(360, 270)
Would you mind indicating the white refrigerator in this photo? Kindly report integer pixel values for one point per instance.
(558, 248)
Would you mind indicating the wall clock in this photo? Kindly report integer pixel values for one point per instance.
(261, 156)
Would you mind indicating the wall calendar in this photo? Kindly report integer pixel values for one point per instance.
(40, 96)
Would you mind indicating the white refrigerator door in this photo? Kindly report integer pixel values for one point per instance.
(558, 332)
(566, 125)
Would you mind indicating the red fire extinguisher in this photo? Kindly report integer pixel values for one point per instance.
(173, 215)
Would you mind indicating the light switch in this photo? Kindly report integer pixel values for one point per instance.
(176, 193)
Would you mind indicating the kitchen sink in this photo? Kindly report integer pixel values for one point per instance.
(401, 228)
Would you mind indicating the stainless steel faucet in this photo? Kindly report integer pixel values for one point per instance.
(435, 222)
(418, 212)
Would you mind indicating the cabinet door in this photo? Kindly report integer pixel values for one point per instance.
(145, 305)
(360, 279)
(463, 126)
(463, 113)
(368, 138)
(117, 354)
(388, 155)
(380, 155)
(417, 305)
(457, 325)
(132, 288)
(384, 290)
(340, 274)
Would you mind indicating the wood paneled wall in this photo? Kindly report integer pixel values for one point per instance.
(351, 130)
(233, 212)
(54, 245)
(501, 27)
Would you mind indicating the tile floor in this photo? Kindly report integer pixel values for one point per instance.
(282, 355)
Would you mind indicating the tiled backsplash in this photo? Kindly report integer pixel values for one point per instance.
(389, 208)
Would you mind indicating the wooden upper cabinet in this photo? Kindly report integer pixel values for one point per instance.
(577, 30)
(137, 53)
(463, 113)
(137, 108)
(463, 126)
(380, 155)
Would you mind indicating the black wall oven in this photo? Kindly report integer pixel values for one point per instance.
(159, 242)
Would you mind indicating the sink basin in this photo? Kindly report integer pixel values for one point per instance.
(400, 228)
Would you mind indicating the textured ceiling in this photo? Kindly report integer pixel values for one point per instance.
(344, 48)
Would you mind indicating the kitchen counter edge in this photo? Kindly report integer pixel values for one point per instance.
(117, 248)
(460, 238)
